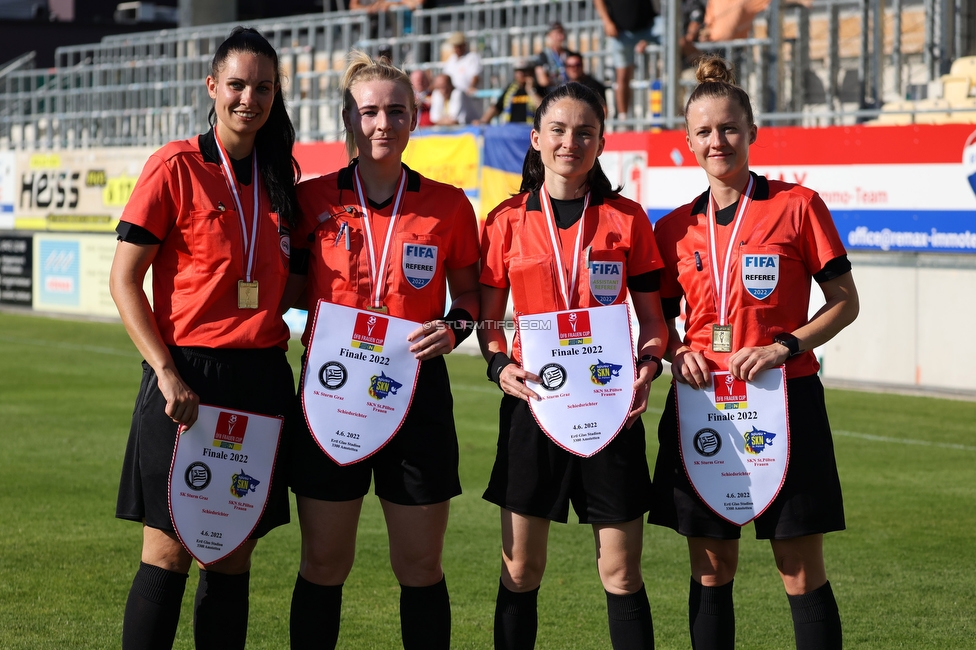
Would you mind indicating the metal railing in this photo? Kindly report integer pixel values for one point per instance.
(148, 88)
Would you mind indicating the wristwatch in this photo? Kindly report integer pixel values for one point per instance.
(791, 342)
(651, 357)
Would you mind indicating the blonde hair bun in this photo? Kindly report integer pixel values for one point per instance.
(713, 68)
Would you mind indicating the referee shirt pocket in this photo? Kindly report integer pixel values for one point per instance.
(533, 284)
(215, 241)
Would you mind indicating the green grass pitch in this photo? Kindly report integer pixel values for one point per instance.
(904, 572)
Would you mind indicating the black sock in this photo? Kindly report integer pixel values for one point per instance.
(629, 615)
(516, 619)
(425, 617)
(816, 621)
(152, 611)
(315, 611)
(220, 610)
(711, 617)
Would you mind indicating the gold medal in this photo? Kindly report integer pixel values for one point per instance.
(721, 338)
(247, 295)
(383, 309)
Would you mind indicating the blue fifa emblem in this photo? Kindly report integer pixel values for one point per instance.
(380, 386)
(606, 279)
(757, 440)
(419, 264)
(760, 274)
(241, 484)
(601, 373)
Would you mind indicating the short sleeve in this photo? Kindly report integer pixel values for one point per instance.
(307, 218)
(670, 287)
(155, 200)
(463, 250)
(819, 239)
(495, 240)
(644, 255)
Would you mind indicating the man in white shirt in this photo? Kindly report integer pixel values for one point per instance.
(463, 66)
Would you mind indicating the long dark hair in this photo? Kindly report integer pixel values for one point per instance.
(534, 172)
(276, 139)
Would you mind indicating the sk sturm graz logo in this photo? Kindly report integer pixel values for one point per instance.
(197, 476)
(332, 375)
(553, 376)
(380, 386)
(757, 440)
(601, 373)
(241, 484)
(707, 442)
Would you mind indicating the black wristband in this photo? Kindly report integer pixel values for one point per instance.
(461, 322)
(651, 357)
(496, 364)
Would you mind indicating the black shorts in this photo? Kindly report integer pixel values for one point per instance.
(810, 501)
(419, 466)
(533, 476)
(260, 381)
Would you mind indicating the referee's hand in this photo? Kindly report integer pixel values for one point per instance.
(512, 381)
(433, 339)
(182, 404)
(642, 390)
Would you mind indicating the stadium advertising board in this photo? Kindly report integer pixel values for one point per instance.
(71, 274)
(80, 190)
(16, 281)
(902, 188)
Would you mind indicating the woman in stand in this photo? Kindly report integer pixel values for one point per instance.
(760, 330)
(350, 217)
(533, 480)
(211, 216)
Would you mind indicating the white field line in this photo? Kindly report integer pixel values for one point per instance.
(903, 441)
(70, 346)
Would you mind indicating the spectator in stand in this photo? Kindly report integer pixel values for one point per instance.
(420, 81)
(517, 105)
(726, 20)
(463, 66)
(628, 25)
(550, 69)
(575, 72)
(450, 106)
(692, 19)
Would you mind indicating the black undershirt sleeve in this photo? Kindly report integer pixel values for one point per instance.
(645, 282)
(133, 234)
(833, 269)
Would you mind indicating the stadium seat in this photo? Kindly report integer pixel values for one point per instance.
(895, 113)
(964, 110)
(964, 66)
(954, 87)
(933, 111)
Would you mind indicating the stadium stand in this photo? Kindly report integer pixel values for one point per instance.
(804, 63)
(895, 113)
